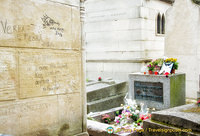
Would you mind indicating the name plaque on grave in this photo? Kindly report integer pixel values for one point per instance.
(150, 91)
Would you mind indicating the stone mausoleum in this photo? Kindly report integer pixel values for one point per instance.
(121, 35)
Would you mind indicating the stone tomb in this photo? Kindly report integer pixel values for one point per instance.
(41, 88)
(182, 120)
(157, 91)
(105, 95)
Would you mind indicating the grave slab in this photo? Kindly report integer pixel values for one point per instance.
(182, 116)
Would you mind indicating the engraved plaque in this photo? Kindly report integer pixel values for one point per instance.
(8, 74)
(49, 73)
(150, 91)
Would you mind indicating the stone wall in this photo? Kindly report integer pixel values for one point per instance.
(41, 73)
(182, 41)
(120, 36)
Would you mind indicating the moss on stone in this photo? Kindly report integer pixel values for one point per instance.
(196, 1)
(195, 109)
(161, 123)
(63, 129)
(177, 85)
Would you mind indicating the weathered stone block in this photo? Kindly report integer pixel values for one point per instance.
(157, 91)
(8, 74)
(106, 103)
(68, 2)
(70, 114)
(49, 73)
(182, 120)
(157, 129)
(41, 75)
(39, 25)
(28, 116)
(104, 90)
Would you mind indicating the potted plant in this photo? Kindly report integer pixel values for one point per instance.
(175, 64)
(150, 67)
(158, 63)
(175, 67)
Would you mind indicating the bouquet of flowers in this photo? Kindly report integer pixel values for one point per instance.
(151, 66)
(131, 116)
(174, 61)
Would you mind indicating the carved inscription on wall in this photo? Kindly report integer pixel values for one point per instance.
(44, 25)
(148, 91)
(7, 75)
(48, 73)
(28, 116)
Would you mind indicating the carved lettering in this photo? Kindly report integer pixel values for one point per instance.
(52, 74)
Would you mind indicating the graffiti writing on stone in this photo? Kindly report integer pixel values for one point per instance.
(52, 25)
(47, 21)
(21, 32)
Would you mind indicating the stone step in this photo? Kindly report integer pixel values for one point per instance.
(101, 90)
(153, 128)
(105, 103)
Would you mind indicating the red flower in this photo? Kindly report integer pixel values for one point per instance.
(142, 118)
(198, 102)
(138, 124)
(99, 79)
(166, 73)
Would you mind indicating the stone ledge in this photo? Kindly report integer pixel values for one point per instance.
(150, 125)
(106, 103)
(121, 61)
(83, 134)
(104, 92)
(176, 117)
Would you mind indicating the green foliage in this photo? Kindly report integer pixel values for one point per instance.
(150, 66)
(134, 117)
(196, 1)
(116, 113)
(175, 66)
(159, 62)
(90, 118)
(139, 120)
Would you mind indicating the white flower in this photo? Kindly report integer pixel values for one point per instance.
(137, 111)
(116, 118)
